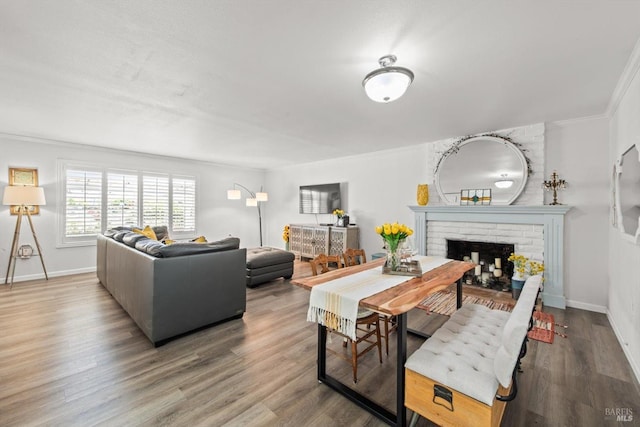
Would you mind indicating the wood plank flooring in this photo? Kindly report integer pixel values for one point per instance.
(70, 356)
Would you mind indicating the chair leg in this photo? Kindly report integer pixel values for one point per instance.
(386, 333)
(354, 360)
(414, 419)
(379, 339)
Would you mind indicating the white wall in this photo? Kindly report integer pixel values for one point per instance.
(624, 256)
(217, 217)
(380, 187)
(578, 151)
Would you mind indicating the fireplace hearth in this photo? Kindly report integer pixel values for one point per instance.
(493, 270)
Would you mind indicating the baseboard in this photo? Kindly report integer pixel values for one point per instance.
(587, 306)
(625, 348)
(24, 278)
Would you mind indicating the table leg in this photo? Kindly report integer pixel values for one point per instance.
(401, 358)
(459, 294)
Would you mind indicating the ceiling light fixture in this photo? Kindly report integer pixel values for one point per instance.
(503, 182)
(388, 83)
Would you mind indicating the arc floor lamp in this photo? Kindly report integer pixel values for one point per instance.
(23, 196)
(255, 199)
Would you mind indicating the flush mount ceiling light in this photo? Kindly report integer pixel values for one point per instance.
(387, 83)
(503, 182)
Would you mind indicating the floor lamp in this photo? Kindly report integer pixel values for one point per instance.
(24, 197)
(254, 200)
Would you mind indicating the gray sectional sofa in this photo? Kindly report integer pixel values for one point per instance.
(174, 289)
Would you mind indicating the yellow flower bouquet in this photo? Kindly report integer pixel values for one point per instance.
(393, 235)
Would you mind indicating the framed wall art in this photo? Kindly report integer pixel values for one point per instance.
(24, 176)
(477, 197)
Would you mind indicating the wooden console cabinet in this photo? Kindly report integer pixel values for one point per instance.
(307, 241)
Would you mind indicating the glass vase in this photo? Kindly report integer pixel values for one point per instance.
(393, 262)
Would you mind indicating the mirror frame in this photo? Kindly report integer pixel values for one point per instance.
(618, 172)
(524, 163)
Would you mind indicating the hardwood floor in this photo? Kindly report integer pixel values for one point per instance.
(69, 355)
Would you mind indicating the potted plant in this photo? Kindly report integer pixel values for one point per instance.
(523, 267)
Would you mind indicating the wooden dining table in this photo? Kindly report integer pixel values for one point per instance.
(396, 301)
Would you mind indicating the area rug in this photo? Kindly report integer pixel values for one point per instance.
(444, 302)
(544, 328)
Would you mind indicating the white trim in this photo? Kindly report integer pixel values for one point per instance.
(40, 276)
(586, 306)
(577, 120)
(631, 70)
(625, 347)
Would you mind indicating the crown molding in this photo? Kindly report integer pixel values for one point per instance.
(630, 72)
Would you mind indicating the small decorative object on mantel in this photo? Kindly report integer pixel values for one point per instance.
(423, 194)
(475, 197)
(555, 184)
(394, 237)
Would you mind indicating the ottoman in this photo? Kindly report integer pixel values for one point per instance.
(265, 264)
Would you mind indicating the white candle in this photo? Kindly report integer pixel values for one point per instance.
(497, 272)
(478, 270)
(492, 267)
(475, 257)
(498, 263)
(485, 277)
(466, 258)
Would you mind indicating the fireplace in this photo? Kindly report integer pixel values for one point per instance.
(494, 271)
(536, 231)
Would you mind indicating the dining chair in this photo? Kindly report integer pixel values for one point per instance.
(367, 322)
(358, 256)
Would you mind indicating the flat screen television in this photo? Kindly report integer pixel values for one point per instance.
(320, 198)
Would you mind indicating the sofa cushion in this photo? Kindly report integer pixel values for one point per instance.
(119, 235)
(189, 248)
(162, 232)
(130, 239)
(149, 246)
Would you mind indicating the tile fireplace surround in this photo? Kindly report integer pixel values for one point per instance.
(550, 218)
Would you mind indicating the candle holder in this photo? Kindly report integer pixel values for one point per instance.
(555, 184)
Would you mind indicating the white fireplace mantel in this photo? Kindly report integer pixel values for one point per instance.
(550, 217)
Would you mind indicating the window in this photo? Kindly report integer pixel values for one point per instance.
(122, 200)
(95, 199)
(83, 203)
(184, 205)
(155, 200)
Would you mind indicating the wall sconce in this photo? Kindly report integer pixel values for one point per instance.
(23, 196)
(253, 200)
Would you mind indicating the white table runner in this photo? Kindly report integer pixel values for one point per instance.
(335, 304)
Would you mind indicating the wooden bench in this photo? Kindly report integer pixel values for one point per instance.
(465, 374)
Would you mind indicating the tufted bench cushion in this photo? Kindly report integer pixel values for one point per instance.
(473, 354)
(265, 264)
(460, 354)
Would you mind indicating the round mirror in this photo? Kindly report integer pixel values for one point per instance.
(482, 163)
(628, 193)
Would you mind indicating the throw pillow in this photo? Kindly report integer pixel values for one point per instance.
(168, 241)
(147, 231)
(200, 239)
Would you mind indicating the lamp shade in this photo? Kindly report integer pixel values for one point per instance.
(262, 197)
(234, 194)
(388, 83)
(251, 201)
(23, 195)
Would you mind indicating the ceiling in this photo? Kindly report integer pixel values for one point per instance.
(266, 84)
